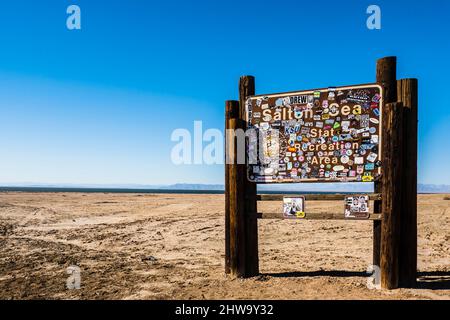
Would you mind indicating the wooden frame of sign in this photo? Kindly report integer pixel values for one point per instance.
(395, 178)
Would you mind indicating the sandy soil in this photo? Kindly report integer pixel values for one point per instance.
(146, 246)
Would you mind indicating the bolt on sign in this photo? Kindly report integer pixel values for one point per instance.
(323, 135)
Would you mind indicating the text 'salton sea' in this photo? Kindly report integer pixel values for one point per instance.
(324, 135)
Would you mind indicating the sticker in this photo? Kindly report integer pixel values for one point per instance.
(264, 125)
(376, 98)
(372, 157)
(345, 159)
(294, 207)
(360, 170)
(376, 112)
(345, 124)
(331, 95)
(374, 139)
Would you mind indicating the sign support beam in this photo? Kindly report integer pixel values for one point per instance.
(246, 89)
(407, 92)
(241, 215)
(235, 247)
(386, 76)
(392, 194)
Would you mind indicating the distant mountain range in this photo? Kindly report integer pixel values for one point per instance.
(316, 187)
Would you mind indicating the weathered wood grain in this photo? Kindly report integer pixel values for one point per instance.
(313, 197)
(246, 89)
(407, 90)
(386, 76)
(392, 194)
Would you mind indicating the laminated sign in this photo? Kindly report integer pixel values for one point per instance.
(357, 206)
(294, 207)
(323, 135)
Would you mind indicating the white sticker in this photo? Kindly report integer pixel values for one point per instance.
(374, 139)
(372, 157)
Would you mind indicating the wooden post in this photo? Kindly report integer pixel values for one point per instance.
(231, 112)
(386, 76)
(234, 196)
(392, 194)
(246, 89)
(407, 91)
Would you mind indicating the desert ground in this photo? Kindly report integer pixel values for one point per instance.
(171, 246)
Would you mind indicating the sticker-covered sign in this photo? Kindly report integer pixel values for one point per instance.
(323, 135)
(294, 207)
(357, 206)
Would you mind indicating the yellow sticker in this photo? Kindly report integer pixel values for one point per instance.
(300, 214)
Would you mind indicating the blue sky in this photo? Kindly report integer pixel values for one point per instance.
(98, 105)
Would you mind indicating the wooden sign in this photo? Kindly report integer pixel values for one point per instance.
(323, 135)
(294, 207)
(357, 206)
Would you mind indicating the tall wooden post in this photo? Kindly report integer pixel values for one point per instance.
(386, 76)
(241, 228)
(234, 196)
(392, 193)
(407, 92)
(246, 89)
(231, 112)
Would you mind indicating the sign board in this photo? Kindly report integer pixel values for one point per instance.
(357, 206)
(323, 135)
(294, 207)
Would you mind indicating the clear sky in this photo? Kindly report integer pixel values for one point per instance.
(98, 105)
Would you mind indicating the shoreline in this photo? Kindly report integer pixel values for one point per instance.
(5, 190)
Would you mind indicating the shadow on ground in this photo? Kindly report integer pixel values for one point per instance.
(431, 280)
